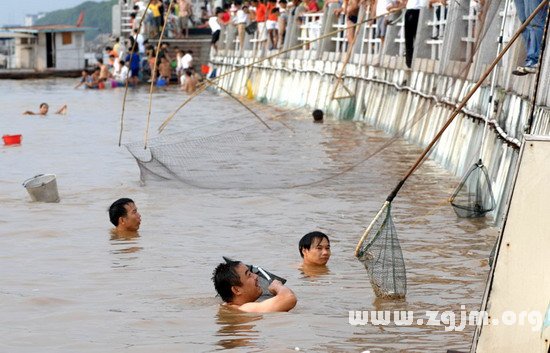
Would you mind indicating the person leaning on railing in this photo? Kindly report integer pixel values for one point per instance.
(351, 9)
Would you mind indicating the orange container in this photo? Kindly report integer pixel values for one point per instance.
(12, 139)
(205, 69)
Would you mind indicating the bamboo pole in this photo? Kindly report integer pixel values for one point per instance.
(126, 85)
(151, 88)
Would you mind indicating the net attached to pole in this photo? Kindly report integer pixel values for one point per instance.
(379, 249)
(383, 258)
(474, 196)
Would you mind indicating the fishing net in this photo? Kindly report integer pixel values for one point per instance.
(474, 195)
(383, 258)
(242, 153)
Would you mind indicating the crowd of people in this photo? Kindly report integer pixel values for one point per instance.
(134, 62)
(134, 59)
(236, 283)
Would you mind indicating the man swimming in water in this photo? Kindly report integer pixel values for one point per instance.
(238, 287)
(124, 216)
(314, 248)
(44, 108)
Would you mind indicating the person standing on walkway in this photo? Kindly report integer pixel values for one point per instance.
(411, 25)
(532, 34)
(185, 11)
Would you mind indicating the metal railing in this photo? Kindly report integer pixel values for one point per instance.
(438, 24)
(310, 29)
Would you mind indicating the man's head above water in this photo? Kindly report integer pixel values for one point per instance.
(124, 215)
(314, 248)
(44, 108)
(233, 280)
(238, 286)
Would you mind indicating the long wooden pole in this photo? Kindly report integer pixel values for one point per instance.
(465, 100)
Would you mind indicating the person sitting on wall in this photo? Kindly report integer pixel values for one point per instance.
(44, 108)
(238, 287)
(124, 215)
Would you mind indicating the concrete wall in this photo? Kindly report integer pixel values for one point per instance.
(518, 296)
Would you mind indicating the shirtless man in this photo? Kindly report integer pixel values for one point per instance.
(103, 70)
(351, 10)
(44, 108)
(314, 248)
(124, 215)
(238, 287)
(165, 70)
(189, 82)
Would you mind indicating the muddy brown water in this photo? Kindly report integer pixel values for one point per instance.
(67, 285)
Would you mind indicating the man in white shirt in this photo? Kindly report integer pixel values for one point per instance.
(215, 27)
(122, 74)
(187, 60)
(138, 37)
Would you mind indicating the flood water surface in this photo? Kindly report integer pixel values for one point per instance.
(69, 285)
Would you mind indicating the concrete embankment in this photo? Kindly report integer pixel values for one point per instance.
(413, 105)
(14, 74)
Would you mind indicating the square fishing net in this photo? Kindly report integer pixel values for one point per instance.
(383, 258)
(474, 195)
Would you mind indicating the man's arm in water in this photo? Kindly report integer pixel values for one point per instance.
(283, 300)
(62, 110)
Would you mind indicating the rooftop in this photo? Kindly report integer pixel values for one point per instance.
(48, 28)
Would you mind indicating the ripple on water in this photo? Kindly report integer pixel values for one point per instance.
(62, 272)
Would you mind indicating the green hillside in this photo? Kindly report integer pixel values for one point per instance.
(96, 15)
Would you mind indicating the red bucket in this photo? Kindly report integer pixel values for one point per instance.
(205, 69)
(12, 139)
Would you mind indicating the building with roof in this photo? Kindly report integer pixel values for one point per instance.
(41, 48)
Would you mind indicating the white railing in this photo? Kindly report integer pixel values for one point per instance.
(256, 43)
(371, 43)
(472, 28)
(438, 23)
(340, 38)
(310, 29)
(400, 39)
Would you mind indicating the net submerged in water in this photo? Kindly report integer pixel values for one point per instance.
(383, 258)
(235, 153)
(474, 195)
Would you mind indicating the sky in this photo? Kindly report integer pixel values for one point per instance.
(13, 12)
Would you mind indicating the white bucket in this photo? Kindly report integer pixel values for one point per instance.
(42, 188)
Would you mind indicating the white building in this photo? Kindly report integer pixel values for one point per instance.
(31, 19)
(49, 47)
